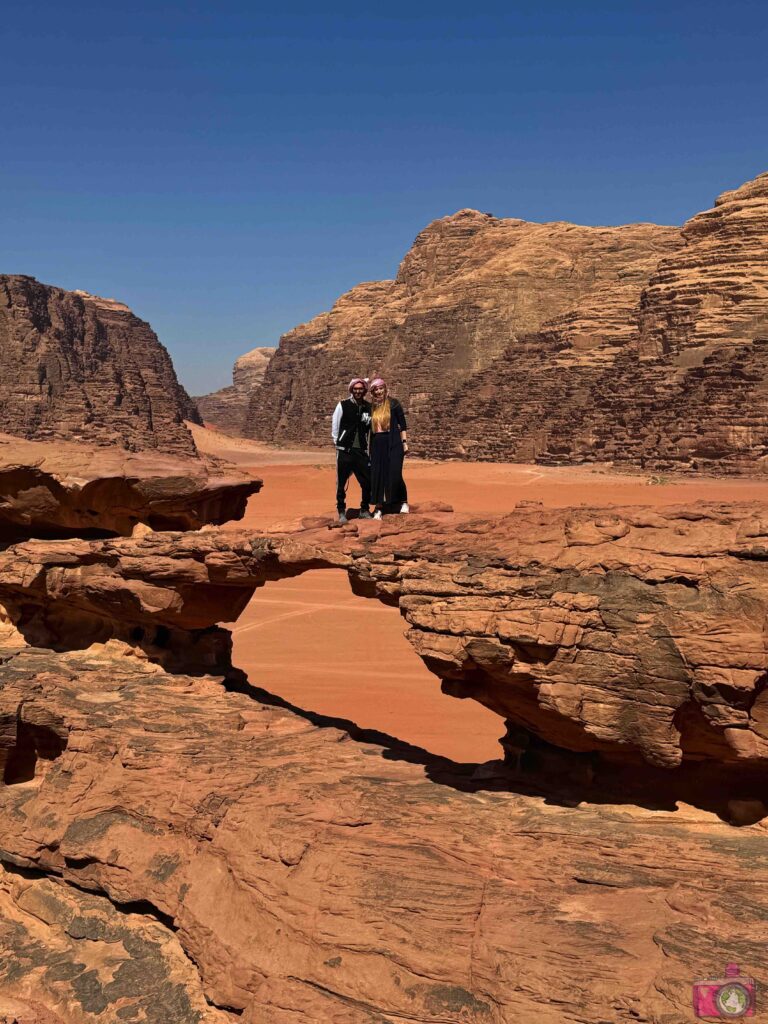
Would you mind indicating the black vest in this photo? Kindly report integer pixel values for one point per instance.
(352, 420)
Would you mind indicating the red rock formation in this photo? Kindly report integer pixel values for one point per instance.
(687, 390)
(470, 286)
(297, 877)
(61, 489)
(554, 343)
(226, 409)
(80, 368)
(715, 288)
(636, 634)
(90, 959)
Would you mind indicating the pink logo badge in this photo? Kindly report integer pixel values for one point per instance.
(725, 998)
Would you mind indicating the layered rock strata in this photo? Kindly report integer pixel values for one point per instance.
(226, 409)
(634, 634)
(80, 368)
(291, 876)
(641, 345)
(62, 489)
(714, 289)
(471, 286)
(688, 391)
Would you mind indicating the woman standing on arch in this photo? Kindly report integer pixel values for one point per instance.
(389, 444)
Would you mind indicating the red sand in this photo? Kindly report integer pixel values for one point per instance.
(320, 647)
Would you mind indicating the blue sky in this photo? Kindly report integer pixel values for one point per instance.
(228, 170)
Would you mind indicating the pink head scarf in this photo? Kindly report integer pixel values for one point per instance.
(358, 380)
(377, 382)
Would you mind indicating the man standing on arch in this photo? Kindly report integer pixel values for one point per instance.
(350, 428)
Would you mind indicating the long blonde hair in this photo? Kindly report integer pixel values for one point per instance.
(382, 414)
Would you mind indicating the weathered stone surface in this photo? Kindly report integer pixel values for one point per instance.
(314, 879)
(87, 960)
(636, 634)
(81, 368)
(713, 289)
(226, 409)
(61, 489)
(471, 285)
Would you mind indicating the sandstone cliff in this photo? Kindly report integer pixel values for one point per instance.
(226, 409)
(688, 391)
(81, 368)
(638, 345)
(471, 285)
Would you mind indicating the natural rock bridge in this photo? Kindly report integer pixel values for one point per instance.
(176, 851)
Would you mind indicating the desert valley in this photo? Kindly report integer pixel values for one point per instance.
(503, 758)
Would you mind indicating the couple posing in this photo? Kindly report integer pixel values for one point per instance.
(381, 476)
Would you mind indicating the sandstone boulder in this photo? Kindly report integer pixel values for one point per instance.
(63, 489)
(81, 368)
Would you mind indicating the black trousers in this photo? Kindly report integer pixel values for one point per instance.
(347, 463)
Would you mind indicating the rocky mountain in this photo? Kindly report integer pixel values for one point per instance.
(507, 340)
(226, 409)
(81, 368)
(471, 284)
(688, 390)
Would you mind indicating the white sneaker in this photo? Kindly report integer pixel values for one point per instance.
(377, 514)
(404, 509)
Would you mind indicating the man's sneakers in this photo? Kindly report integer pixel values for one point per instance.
(404, 509)
(377, 514)
(365, 514)
(343, 519)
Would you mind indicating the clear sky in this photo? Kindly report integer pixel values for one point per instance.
(229, 168)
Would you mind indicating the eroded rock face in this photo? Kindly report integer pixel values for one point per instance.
(61, 489)
(78, 958)
(714, 289)
(471, 285)
(80, 368)
(226, 409)
(636, 634)
(508, 341)
(685, 388)
(310, 878)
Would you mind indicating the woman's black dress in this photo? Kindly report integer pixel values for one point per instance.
(387, 454)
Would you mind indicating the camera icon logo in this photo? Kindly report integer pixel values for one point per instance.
(725, 998)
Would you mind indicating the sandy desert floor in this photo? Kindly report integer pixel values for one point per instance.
(314, 643)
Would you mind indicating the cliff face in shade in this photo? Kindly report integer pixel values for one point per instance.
(226, 409)
(81, 368)
(471, 285)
